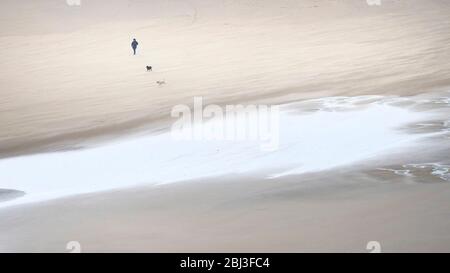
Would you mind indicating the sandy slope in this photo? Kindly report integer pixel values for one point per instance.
(68, 74)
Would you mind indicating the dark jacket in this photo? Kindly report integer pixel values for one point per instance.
(134, 44)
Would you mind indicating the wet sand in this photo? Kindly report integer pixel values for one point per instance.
(7, 195)
(327, 133)
(338, 212)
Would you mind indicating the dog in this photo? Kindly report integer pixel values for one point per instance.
(149, 68)
(161, 82)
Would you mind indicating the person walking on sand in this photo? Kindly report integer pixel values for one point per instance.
(134, 45)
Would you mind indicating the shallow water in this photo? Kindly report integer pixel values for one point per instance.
(313, 135)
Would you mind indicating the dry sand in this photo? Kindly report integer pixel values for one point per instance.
(68, 80)
(68, 75)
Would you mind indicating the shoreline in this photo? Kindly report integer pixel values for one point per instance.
(245, 214)
(76, 140)
(10, 194)
(357, 123)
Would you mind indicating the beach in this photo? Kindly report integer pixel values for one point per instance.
(244, 214)
(362, 143)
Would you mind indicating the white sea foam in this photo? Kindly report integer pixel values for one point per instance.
(309, 142)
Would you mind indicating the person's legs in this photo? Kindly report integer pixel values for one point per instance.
(134, 50)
